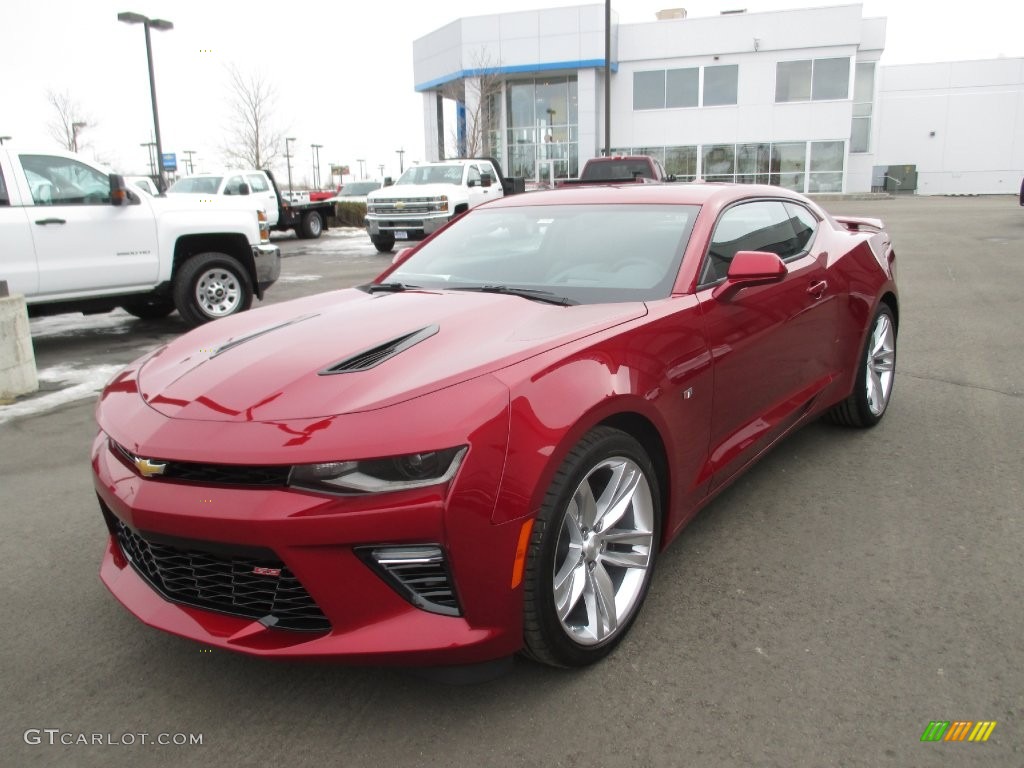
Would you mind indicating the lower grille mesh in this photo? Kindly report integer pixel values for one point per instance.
(253, 587)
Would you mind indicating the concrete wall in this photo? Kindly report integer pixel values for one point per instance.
(961, 123)
(17, 358)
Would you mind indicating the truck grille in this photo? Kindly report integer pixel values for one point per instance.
(413, 206)
(255, 585)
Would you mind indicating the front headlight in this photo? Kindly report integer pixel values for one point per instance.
(393, 473)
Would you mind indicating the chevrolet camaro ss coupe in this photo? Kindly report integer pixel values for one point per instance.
(483, 451)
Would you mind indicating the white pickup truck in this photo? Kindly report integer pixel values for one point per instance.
(76, 238)
(426, 197)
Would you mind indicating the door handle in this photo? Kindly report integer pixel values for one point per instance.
(44, 222)
(817, 290)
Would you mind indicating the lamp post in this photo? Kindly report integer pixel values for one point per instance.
(362, 174)
(316, 164)
(3, 139)
(381, 166)
(288, 159)
(75, 128)
(188, 160)
(401, 160)
(162, 25)
(149, 145)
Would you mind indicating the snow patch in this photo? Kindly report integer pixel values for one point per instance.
(78, 383)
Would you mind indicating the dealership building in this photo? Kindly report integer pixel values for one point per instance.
(794, 98)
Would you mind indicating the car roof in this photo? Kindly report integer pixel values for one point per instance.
(679, 193)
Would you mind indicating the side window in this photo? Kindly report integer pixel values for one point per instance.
(257, 182)
(5, 199)
(233, 186)
(804, 224)
(63, 181)
(473, 179)
(765, 225)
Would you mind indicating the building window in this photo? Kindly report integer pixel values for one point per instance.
(753, 163)
(812, 80)
(720, 85)
(681, 162)
(826, 171)
(682, 87)
(719, 162)
(788, 165)
(863, 102)
(542, 133)
(649, 90)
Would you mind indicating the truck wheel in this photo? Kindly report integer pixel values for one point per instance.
(383, 243)
(149, 307)
(210, 286)
(311, 227)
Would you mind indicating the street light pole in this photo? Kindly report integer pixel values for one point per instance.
(149, 150)
(3, 139)
(163, 26)
(362, 173)
(401, 160)
(188, 161)
(288, 159)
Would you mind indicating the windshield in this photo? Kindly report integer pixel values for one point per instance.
(205, 185)
(586, 253)
(358, 188)
(432, 174)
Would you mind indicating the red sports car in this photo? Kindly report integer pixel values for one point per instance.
(483, 451)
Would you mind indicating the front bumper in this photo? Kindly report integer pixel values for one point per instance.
(318, 539)
(267, 259)
(406, 226)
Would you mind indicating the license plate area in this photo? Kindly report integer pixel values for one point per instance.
(400, 235)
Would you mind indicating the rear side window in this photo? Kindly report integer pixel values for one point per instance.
(233, 186)
(63, 181)
(766, 225)
(4, 197)
(257, 182)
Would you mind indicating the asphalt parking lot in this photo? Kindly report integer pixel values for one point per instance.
(851, 588)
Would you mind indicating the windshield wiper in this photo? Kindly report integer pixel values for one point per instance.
(389, 287)
(527, 293)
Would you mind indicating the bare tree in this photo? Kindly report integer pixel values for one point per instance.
(253, 142)
(68, 122)
(480, 93)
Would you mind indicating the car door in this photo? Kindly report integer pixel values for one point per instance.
(82, 241)
(773, 346)
(17, 253)
(259, 187)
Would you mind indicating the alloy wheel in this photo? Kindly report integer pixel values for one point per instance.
(881, 364)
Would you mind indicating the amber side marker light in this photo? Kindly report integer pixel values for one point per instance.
(519, 565)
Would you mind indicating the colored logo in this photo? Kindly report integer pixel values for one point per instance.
(261, 571)
(149, 468)
(958, 730)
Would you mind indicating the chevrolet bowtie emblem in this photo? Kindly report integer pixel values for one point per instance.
(149, 468)
(399, 205)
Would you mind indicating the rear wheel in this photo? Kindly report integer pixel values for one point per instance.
(592, 551)
(312, 226)
(876, 375)
(383, 243)
(210, 286)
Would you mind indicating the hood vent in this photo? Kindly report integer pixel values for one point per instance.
(370, 358)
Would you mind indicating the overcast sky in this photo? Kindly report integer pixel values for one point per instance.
(342, 70)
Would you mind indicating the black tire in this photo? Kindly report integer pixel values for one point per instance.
(312, 226)
(149, 307)
(197, 282)
(383, 243)
(546, 637)
(864, 407)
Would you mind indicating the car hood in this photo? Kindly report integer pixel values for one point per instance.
(412, 191)
(273, 364)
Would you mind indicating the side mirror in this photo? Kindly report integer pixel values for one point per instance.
(388, 181)
(749, 268)
(486, 180)
(118, 190)
(243, 188)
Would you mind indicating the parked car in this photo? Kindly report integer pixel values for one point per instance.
(619, 170)
(257, 190)
(484, 450)
(356, 191)
(144, 183)
(77, 238)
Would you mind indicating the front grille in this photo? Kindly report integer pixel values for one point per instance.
(405, 205)
(212, 474)
(419, 573)
(224, 582)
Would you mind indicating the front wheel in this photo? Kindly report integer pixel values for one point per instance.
(210, 286)
(312, 226)
(876, 374)
(383, 243)
(592, 551)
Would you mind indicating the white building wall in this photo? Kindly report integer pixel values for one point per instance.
(961, 123)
